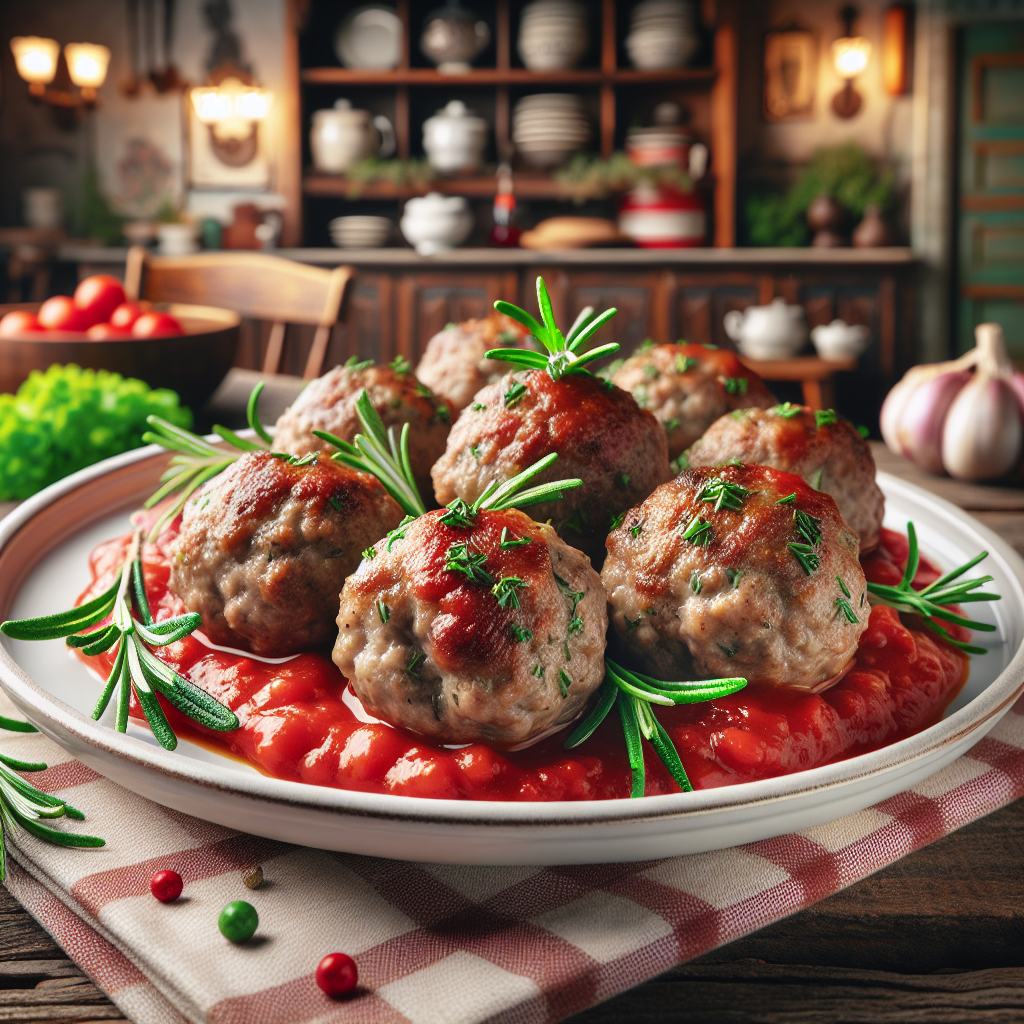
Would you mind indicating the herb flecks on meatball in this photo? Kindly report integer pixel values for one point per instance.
(329, 404)
(265, 548)
(598, 431)
(489, 629)
(738, 571)
(819, 446)
(687, 387)
(454, 363)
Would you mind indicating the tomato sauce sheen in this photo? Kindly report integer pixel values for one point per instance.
(294, 724)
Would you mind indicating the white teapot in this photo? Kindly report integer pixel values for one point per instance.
(775, 331)
(840, 340)
(454, 139)
(341, 137)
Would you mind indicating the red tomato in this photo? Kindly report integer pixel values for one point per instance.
(18, 321)
(61, 314)
(156, 325)
(98, 296)
(127, 313)
(107, 332)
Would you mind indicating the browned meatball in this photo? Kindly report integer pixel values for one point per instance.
(265, 547)
(329, 403)
(453, 363)
(688, 387)
(464, 635)
(820, 447)
(600, 434)
(740, 571)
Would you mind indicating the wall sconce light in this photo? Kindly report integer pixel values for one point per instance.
(36, 60)
(232, 106)
(850, 55)
(897, 49)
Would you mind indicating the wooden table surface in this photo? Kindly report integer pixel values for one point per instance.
(936, 937)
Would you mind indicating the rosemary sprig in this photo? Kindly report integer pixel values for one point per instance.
(378, 452)
(932, 602)
(725, 494)
(635, 693)
(197, 460)
(135, 667)
(563, 356)
(21, 804)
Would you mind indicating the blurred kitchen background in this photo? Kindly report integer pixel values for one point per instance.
(679, 159)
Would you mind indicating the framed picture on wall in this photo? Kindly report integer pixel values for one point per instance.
(213, 162)
(790, 74)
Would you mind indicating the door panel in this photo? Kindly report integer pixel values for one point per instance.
(990, 235)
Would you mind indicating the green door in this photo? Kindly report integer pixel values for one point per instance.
(990, 214)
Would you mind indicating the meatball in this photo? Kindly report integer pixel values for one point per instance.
(598, 431)
(741, 571)
(329, 403)
(265, 547)
(823, 449)
(688, 387)
(453, 363)
(465, 634)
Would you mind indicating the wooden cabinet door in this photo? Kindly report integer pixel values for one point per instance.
(426, 302)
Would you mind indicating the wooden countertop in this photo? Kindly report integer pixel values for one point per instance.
(894, 256)
(938, 936)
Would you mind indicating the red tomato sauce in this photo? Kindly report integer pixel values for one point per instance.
(294, 724)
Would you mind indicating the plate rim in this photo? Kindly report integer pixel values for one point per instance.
(30, 697)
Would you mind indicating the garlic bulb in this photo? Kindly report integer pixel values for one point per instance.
(964, 417)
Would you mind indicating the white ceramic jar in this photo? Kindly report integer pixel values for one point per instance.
(840, 340)
(180, 238)
(553, 35)
(663, 34)
(341, 137)
(454, 139)
(434, 223)
(775, 331)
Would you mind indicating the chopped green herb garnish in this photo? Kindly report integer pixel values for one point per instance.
(707, 344)
(787, 409)
(564, 681)
(506, 591)
(335, 504)
(724, 494)
(353, 363)
(842, 586)
(616, 521)
(825, 417)
(444, 414)
(787, 500)
(728, 651)
(842, 605)
(459, 514)
(805, 555)
(699, 531)
(631, 624)
(636, 529)
(401, 365)
(640, 396)
(538, 671)
(413, 668)
(864, 432)
(369, 552)
(646, 345)
(398, 533)
(383, 611)
(672, 424)
(695, 584)
(807, 526)
(733, 575)
(652, 371)
(478, 407)
(509, 540)
(470, 563)
(519, 634)
(575, 626)
(735, 385)
(685, 363)
(623, 481)
(515, 393)
(572, 596)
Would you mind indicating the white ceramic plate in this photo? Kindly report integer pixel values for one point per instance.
(44, 546)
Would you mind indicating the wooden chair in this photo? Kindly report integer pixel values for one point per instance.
(255, 285)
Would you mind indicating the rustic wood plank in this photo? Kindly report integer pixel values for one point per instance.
(27, 969)
(59, 1014)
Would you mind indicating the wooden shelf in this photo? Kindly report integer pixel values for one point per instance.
(505, 76)
(528, 186)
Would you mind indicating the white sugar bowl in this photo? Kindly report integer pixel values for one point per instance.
(434, 223)
(775, 331)
(840, 340)
(454, 139)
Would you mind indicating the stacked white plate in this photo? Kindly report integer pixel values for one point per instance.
(663, 34)
(360, 232)
(547, 128)
(553, 35)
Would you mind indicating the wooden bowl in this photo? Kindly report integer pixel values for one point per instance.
(193, 364)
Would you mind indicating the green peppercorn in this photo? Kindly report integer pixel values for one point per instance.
(238, 921)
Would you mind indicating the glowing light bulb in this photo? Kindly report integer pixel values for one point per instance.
(35, 59)
(850, 55)
(87, 64)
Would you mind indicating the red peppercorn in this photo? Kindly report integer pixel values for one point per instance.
(337, 974)
(166, 886)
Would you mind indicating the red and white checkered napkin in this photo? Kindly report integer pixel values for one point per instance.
(435, 943)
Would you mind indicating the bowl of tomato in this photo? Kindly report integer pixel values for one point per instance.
(168, 345)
